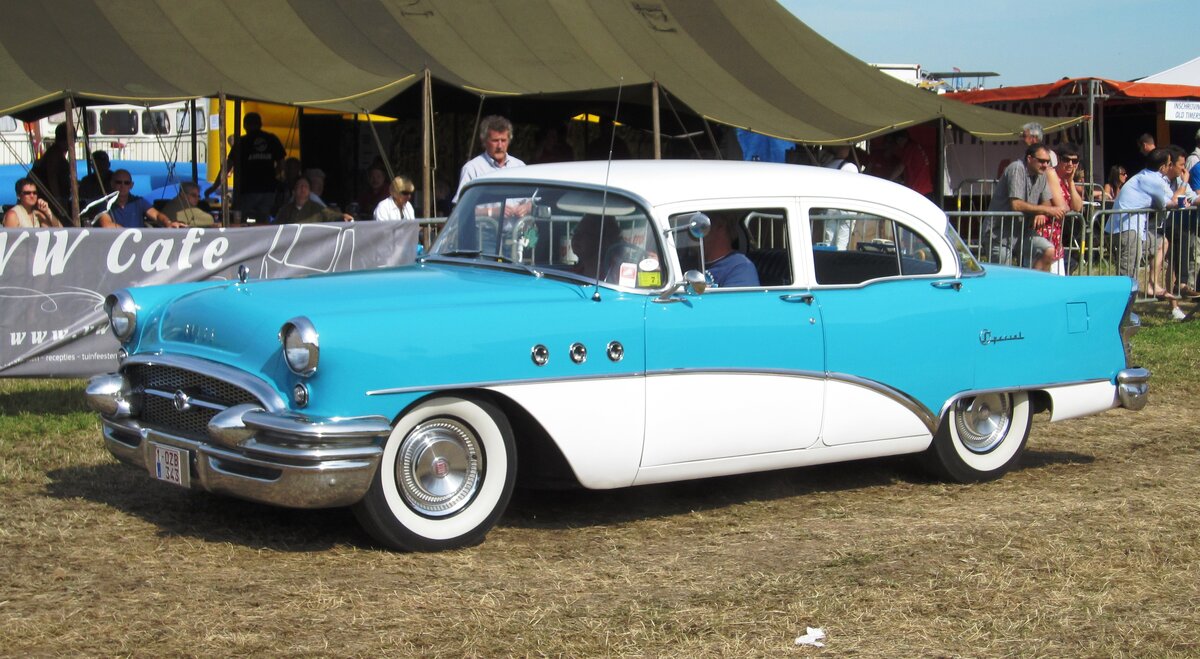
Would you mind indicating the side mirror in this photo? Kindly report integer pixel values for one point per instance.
(698, 226)
(695, 281)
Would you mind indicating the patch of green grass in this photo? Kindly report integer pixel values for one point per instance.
(1171, 350)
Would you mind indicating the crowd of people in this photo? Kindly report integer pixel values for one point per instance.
(1046, 185)
(1043, 188)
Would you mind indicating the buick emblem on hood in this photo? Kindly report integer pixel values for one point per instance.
(183, 402)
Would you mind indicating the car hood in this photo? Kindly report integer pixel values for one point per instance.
(243, 320)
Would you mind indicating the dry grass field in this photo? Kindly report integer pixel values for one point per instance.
(1091, 548)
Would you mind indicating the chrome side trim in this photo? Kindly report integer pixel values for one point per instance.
(1027, 387)
(913, 405)
(257, 387)
(487, 384)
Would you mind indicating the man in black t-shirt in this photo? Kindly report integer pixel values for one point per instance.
(255, 157)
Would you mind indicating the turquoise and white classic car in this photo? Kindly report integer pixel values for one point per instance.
(563, 328)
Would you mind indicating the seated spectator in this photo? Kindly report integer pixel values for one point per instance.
(290, 171)
(316, 182)
(302, 209)
(398, 206)
(1023, 188)
(1052, 229)
(377, 191)
(184, 208)
(95, 185)
(1116, 178)
(131, 211)
(30, 211)
(728, 267)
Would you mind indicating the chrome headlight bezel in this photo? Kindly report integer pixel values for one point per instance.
(301, 346)
(122, 314)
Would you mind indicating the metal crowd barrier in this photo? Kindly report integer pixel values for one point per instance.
(973, 194)
(1160, 249)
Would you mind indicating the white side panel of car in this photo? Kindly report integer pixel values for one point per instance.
(597, 424)
(705, 416)
(855, 414)
(1079, 400)
(783, 460)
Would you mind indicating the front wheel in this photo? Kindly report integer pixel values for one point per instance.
(982, 437)
(446, 476)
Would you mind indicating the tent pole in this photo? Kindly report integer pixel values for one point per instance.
(87, 144)
(654, 112)
(195, 149)
(939, 187)
(713, 139)
(426, 151)
(1090, 150)
(71, 160)
(222, 133)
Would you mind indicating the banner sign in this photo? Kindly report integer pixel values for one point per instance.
(53, 281)
(1183, 110)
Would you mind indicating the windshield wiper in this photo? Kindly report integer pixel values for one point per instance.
(477, 254)
(507, 261)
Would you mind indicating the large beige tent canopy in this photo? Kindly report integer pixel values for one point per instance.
(744, 63)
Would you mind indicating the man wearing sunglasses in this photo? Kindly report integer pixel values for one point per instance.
(30, 211)
(130, 211)
(1022, 188)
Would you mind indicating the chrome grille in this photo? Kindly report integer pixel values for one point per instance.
(158, 384)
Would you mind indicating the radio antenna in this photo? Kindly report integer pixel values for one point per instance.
(600, 265)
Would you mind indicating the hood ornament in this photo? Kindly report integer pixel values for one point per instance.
(243, 273)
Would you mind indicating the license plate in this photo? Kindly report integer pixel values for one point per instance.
(171, 465)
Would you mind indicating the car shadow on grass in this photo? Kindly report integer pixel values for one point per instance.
(215, 518)
(210, 517)
(532, 508)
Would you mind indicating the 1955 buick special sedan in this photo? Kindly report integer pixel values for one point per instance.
(564, 328)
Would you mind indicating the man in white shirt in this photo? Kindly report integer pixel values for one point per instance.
(398, 205)
(495, 133)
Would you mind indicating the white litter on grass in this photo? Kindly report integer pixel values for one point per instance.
(812, 637)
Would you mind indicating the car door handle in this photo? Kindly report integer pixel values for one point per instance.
(806, 298)
(953, 283)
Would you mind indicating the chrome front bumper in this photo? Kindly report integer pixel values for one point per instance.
(1133, 388)
(280, 458)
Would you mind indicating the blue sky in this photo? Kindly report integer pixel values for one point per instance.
(1117, 39)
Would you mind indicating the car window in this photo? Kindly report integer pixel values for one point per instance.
(851, 247)
(966, 260)
(758, 234)
(577, 232)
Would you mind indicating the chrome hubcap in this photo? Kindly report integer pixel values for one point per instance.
(982, 422)
(438, 467)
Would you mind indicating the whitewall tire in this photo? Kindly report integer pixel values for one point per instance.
(446, 476)
(982, 437)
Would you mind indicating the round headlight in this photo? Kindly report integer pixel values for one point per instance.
(300, 349)
(122, 314)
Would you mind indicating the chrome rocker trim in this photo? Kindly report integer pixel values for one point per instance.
(280, 458)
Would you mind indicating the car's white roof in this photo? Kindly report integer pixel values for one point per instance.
(668, 181)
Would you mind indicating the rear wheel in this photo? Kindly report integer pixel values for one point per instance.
(982, 437)
(446, 476)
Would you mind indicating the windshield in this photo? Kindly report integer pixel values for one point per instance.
(570, 231)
